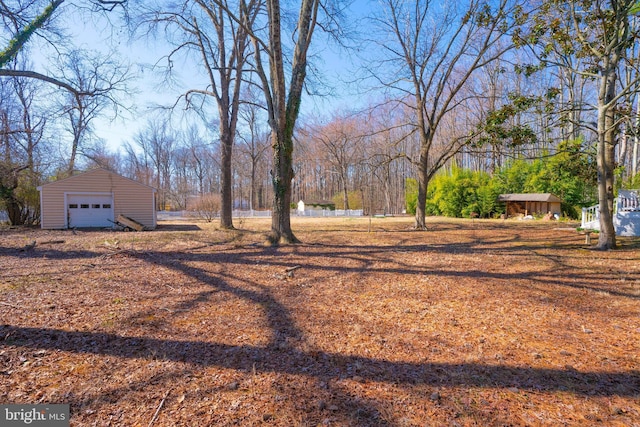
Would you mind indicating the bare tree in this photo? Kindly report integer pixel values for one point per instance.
(389, 147)
(157, 142)
(388, 142)
(99, 155)
(106, 81)
(24, 20)
(630, 108)
(282, 100)
(181, 182)
(137, 165)
(340, 143)
(23, 131)
(200, 159)
(219, 37)
(435, 50)
(10, 167)
(255, 141)
(32, 122)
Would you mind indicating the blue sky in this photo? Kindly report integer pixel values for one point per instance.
(336, 67)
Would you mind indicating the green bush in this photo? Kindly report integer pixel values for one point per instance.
(462, 193)
(569, 174)
(411, 195)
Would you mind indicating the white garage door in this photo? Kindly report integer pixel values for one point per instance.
(90, 210)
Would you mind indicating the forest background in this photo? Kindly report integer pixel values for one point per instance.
(515, 108)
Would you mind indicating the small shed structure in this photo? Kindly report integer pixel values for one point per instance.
(315, 205)
(95, 199)
(531, 204)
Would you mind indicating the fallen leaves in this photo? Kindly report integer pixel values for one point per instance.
(460, 325)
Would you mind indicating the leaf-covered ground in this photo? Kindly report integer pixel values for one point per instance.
(472, 323)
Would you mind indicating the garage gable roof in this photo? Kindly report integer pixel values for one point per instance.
(529, 197)
(98, 171)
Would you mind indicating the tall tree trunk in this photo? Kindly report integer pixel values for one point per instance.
(623, 152)
(423, 182)
(78, 126)
(281, 179)
(226, 197)
(72, 158)
(634, 160)
(252, 196)
(606, 158)
(4, 133)
(636, 142)
(423, 165)
(345, 191)
(11, 203)
(284, 108)
(8, 183)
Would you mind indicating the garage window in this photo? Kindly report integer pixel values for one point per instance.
(106, 206)
(73, 206)
(96, 206)
(84, 206)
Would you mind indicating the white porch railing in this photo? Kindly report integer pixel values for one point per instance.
(627, 201)
(626, 214)
(627, 217)
(591, 218)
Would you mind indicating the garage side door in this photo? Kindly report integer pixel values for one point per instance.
(90, 210)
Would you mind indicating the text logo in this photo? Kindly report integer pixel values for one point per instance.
(34, 415)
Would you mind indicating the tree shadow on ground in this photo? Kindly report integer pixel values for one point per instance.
(323, 365)
(283, 353)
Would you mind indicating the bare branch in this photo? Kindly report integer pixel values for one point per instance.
(42, 77)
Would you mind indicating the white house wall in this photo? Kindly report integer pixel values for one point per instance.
(627, 224)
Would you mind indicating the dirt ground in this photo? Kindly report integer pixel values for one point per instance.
(471, 323)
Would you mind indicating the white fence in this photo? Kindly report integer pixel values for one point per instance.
(176, 215)
(328, 212)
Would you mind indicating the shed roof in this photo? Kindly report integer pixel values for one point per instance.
(529, 197)
(83, 175)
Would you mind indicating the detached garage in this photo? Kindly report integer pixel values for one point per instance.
(94, 199)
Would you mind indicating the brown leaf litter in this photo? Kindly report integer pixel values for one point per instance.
(471, 323)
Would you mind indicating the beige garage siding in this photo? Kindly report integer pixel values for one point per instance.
(130, 198)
